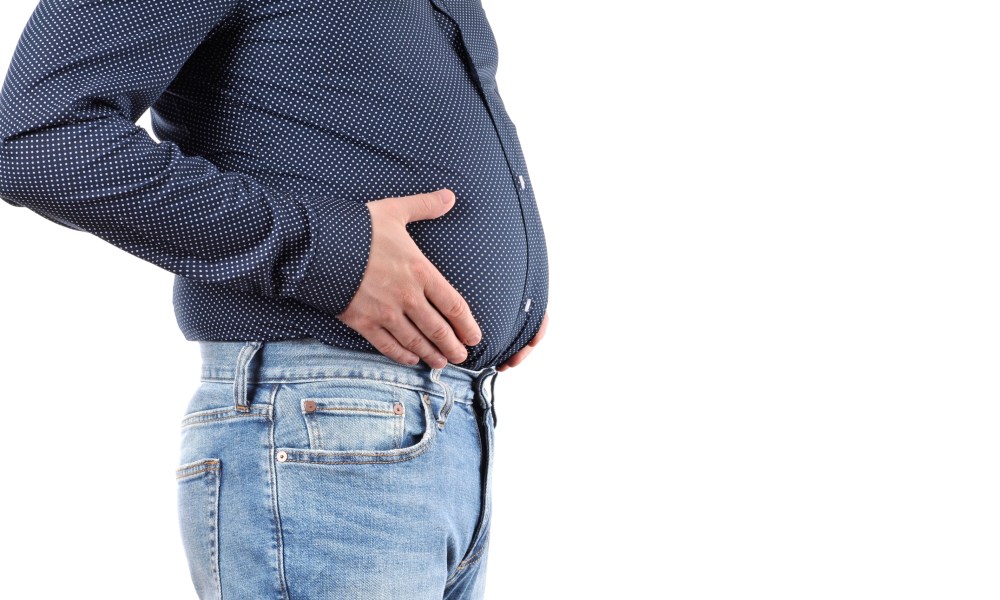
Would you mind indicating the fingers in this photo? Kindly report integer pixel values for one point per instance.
(521, 354)
(439, 332)
(516, 359)
(404, 306)
(453, 307)
(398, 339)
(541, 330)
(422, 206)
(415, 341)
(386, 343)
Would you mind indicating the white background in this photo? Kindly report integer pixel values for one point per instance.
(771, 364)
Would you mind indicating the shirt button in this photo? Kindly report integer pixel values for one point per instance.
(521, 179)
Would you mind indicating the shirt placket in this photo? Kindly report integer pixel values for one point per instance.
(511, 151)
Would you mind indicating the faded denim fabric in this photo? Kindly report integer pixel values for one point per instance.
(310, 472)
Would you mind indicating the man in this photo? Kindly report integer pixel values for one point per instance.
(341, 195)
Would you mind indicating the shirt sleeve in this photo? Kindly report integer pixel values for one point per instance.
(82, 74)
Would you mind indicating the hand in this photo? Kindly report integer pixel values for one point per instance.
(520, 355)
(396, 306)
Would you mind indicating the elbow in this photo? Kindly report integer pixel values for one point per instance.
(21, 181)
(30, 163)
(19, 184)
(32, 173)
(26, 152)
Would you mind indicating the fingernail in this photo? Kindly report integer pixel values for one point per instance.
(443, 194)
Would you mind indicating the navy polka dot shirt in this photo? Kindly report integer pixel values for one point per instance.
(277, 120)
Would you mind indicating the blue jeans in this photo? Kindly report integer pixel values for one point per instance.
(311, 472)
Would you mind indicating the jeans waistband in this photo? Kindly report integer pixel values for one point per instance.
(308, 359)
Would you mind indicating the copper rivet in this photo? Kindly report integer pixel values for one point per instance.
(398, 408)
(427, 399)
(282, 456)
(309, 406)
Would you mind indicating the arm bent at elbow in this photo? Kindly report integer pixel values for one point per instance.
(81, 75)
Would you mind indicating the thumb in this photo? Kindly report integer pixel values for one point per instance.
(426, 206)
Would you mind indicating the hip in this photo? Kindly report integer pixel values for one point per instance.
(293, 451)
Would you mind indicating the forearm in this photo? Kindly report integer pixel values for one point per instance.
(70, 151)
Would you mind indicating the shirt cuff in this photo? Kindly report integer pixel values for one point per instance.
(340, 242)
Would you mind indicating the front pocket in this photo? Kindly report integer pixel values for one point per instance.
(354, 423)
(198, 508)
(416, 419)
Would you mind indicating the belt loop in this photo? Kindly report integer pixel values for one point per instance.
(247, 352)
(448, 397)
(479, 386)
(493, 398)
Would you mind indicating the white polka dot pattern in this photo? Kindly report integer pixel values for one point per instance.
(277, 121)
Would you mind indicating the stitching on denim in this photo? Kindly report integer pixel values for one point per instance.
(449, 398)
(475, 557)
(276, 512)
(241, 377)
(222, 414)
(465, 564)
(482, 532)
(205, 419)
(191, 472)
(315, 431)
(202, 420)
(317, 434)
(312, 430)
(204, 464)
(403, 458)
(214, 528)
(399, 425)
(413, 452)
(198, 472)
(349, 409)
(318, 379)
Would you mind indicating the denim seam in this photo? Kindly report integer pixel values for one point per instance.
(275, 511)
(409, 386)
(474, 558)
(313, 431)
(215, 562)
(419, 448)
(468, 561)
(481, 533)
(357, 462)
(198, 472)
(206, 464)
(209, 419)
(399, 425)
(338, 409)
